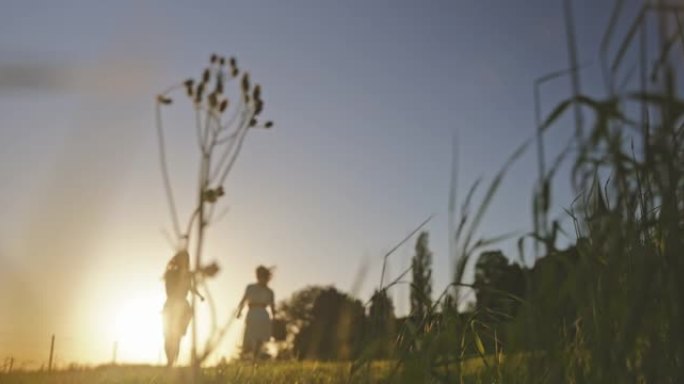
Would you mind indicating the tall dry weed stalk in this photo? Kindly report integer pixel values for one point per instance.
(227, 106)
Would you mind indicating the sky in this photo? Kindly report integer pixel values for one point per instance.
(368, 99)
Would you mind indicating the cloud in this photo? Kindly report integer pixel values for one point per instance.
(32, 76)
(117, 77)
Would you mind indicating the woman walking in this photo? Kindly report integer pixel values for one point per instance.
(258, 297)
(179, 280)
(177, 311)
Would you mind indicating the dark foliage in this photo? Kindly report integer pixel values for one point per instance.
(335, 329)
(381, 327)
(421, 287)
(499, 286)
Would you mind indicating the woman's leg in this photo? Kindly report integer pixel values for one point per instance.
(246, 350)
(171, 345)
(257, 349)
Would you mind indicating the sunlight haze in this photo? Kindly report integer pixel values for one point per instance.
(367, 98)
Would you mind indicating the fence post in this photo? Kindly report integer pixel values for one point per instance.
(52, 350)
(114, 348)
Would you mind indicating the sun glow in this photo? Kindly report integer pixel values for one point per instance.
(138, 329)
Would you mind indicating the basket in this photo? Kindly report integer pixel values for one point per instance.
(278, 329)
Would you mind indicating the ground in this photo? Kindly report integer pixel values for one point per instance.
(239, 372)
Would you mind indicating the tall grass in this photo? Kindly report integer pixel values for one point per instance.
(610, 308)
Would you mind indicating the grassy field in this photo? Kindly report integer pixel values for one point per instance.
(239, 372)
(277, 372)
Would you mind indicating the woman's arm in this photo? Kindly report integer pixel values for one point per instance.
(272, 305)
(241, 305)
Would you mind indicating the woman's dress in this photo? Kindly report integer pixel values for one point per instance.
(258, 322)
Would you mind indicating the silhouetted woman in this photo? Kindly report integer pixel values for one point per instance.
(178, 281)
(258, 324)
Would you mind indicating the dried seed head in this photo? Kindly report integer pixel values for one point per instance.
(213, 58)
(198, 94)
(212, 100)
(234, 71)
(268, 124)
(245, 82)
(188, 86)
(222, 60)
(219, 85)
(211, 270)
(224, 105)
(164, 100)
(205, 76)
(253, 122)
(257, 92)
(258, 106)
(210, 196)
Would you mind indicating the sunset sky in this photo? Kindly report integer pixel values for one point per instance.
(367, 98)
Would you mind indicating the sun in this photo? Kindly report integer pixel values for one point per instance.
(138, 329)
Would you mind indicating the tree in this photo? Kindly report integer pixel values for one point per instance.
(551, 291)
(498, 286)
(381, 324)
(335, 331)
(297, 311)
(421, 289)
